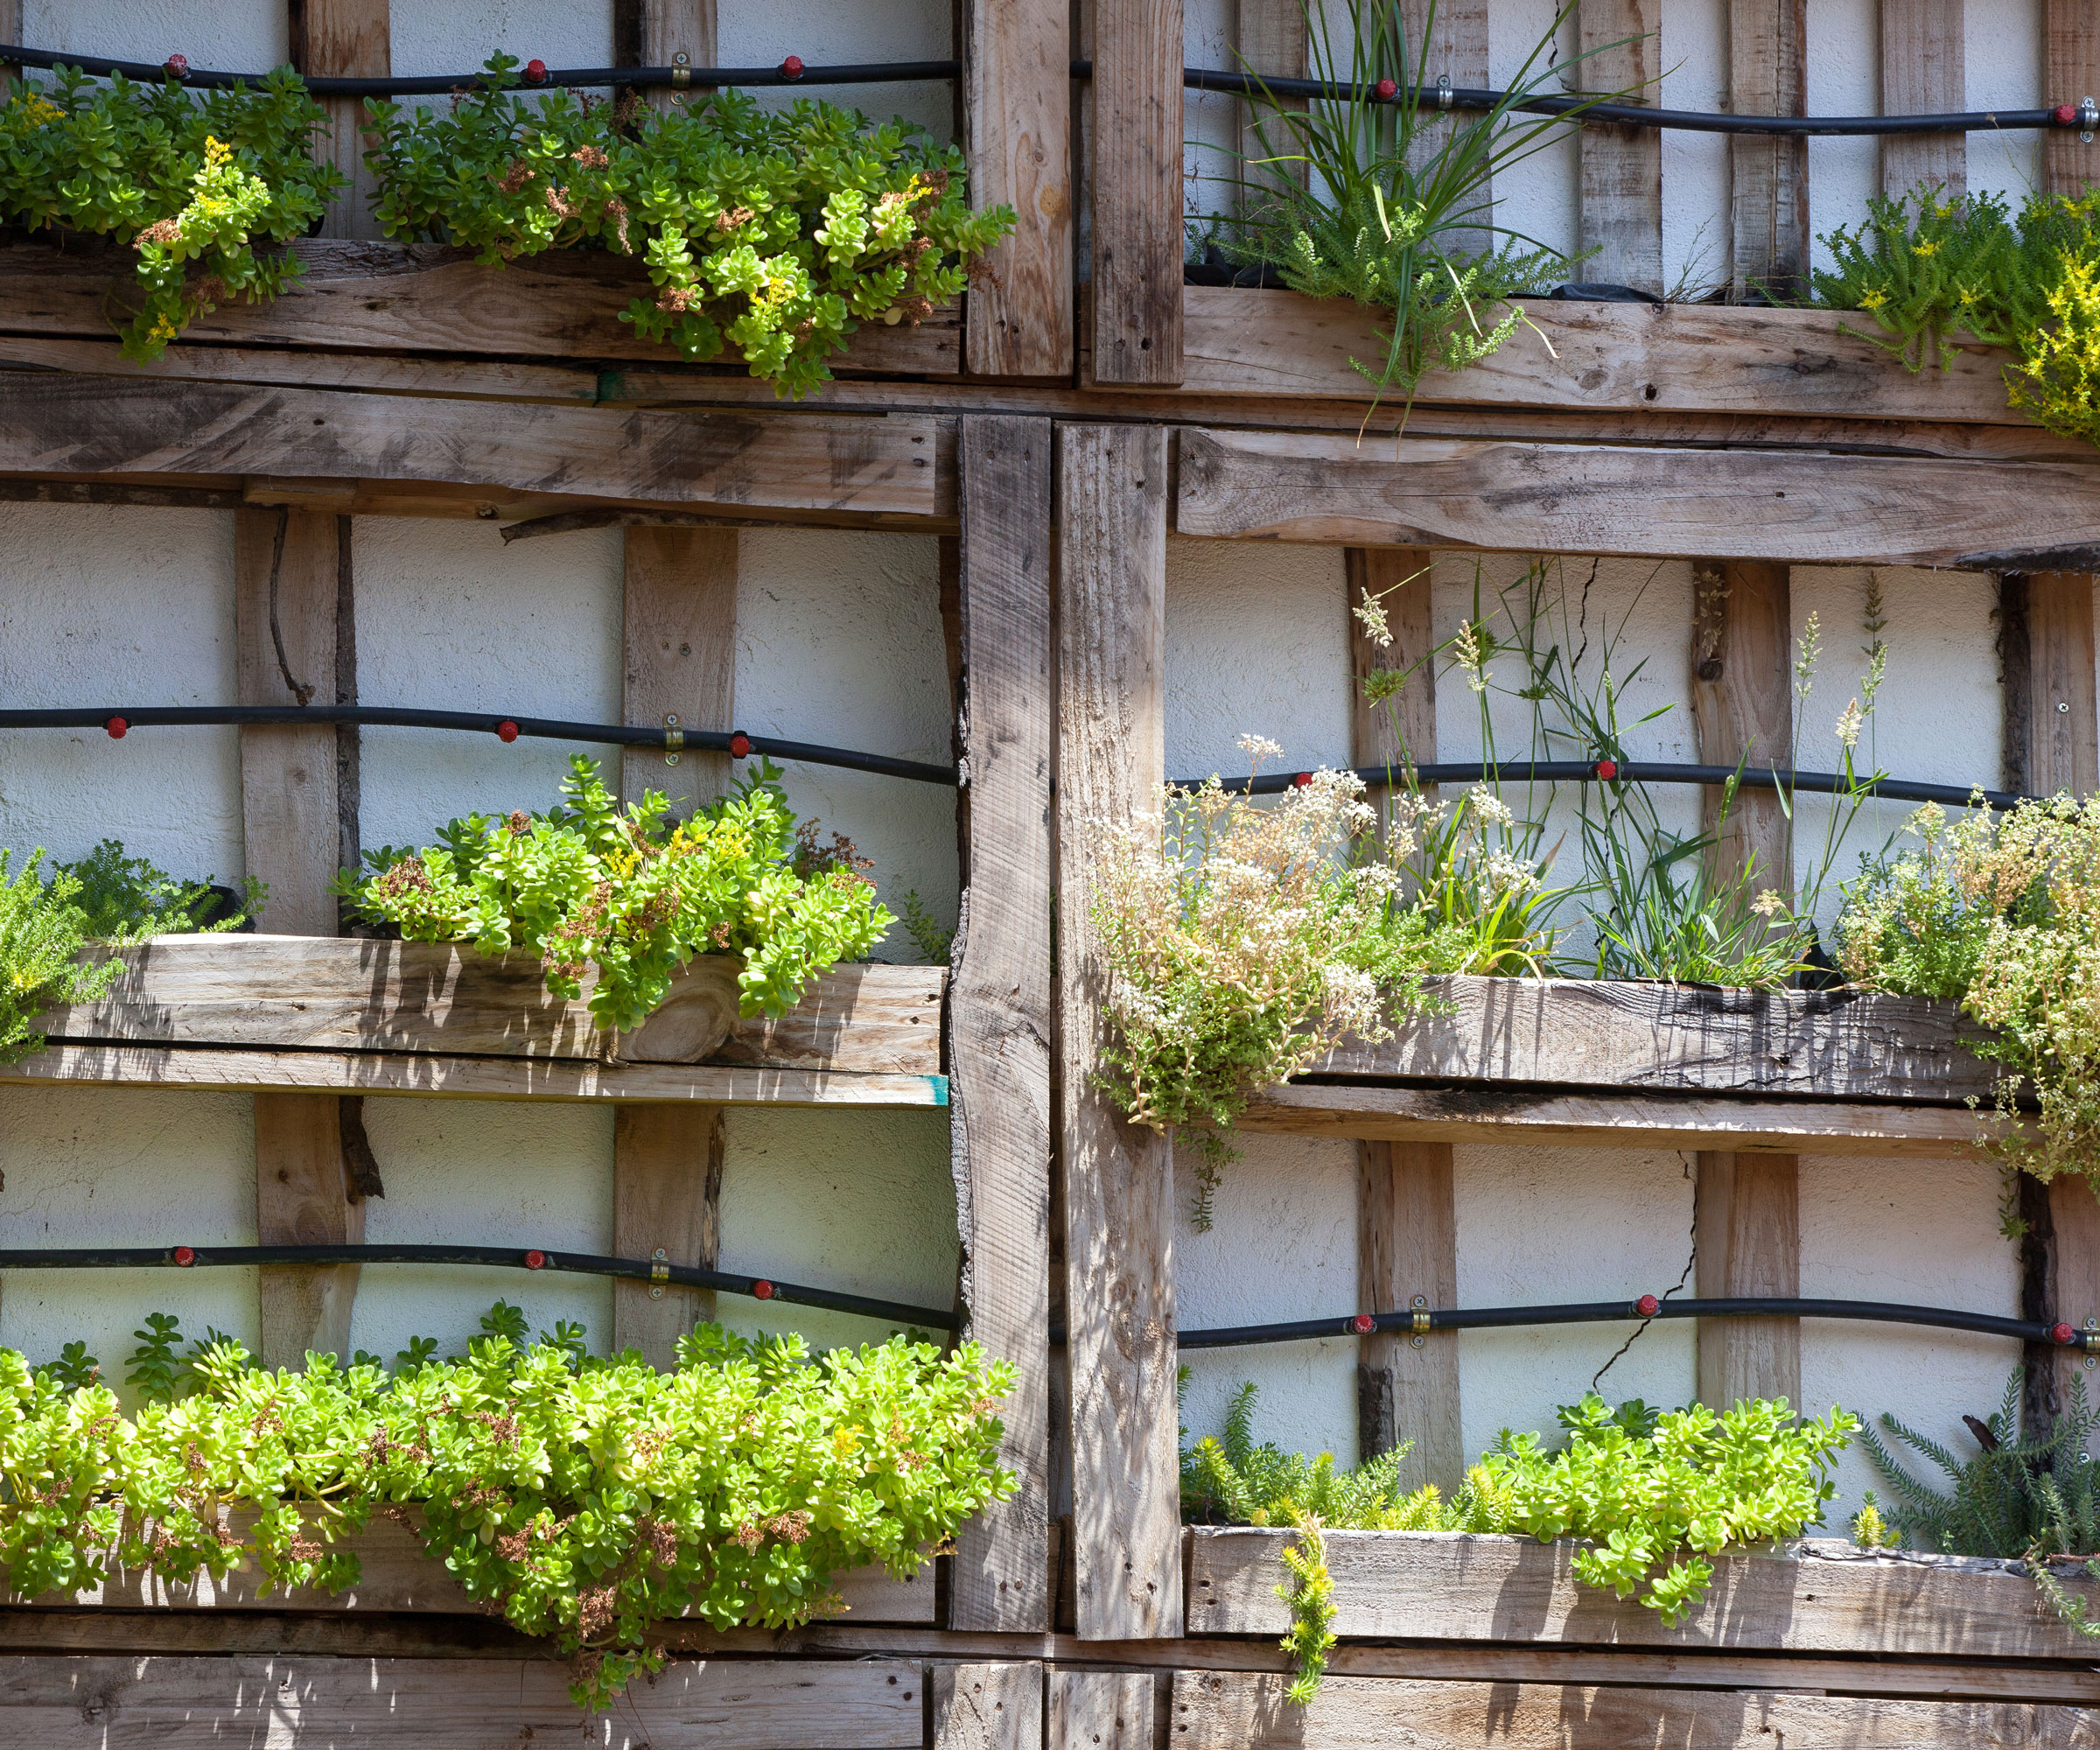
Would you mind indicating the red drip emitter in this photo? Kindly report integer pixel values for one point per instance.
(507, 730)
(761, 1290)
(2062, 1334)
(118, 728)
(1363, 1324)
(739, 745)
(793, 67)
(1648, 1306)
(179, 65)
(1385, 90)
(1607, 770)
(535, 1259)
(186, 1255)
(536, 71)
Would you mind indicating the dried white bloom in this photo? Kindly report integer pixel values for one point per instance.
(1488, 806)
(1259, 748)
(1849, 722)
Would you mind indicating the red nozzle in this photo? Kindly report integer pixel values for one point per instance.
(793, 67)
(1363, 1324)
(179, 65)
(761, 1290)
(536, 71)
(186, 1255)
(1607, 770)
(1304, 781)
(535, 1259)
(739, 745)
(2066, 114)
(118, 728)
(1384, 90)
(2062, 1334)
(507, 730)
(1648, 1305)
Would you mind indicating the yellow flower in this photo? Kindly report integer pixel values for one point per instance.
(1925, 248)
(216, 154)
(1872, 299)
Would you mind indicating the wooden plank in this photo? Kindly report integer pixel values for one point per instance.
(1118, 1177)
(190, 1704)
(232, 1070)
(345, 39)
(1621, 216)
(1544, 498)
(1448, 38)
(988, 1707)
(420, 298)
(1924, 64)
(667, 1203)
(1017, 120)
(356, 994)
(999, 1014)
(304, 1196)
(1821, 1596)
(1749, 1240)
(2064, 737)
(1644, 359)
(109, 425)
(1407, 1251)
(1605, 1119)
(659, 32)
(1270, 37)
(1742, 710)
(10, 31)
(1101, 1711)
(1769, 202)
(2070, 73)
(1136, 158)
(1220, 1712)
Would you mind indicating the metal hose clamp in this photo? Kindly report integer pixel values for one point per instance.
(682, 70)
(1444, 91)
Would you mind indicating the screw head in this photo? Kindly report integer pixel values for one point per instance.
(1420, 1300)
(2063, 704)
(1419, 1342)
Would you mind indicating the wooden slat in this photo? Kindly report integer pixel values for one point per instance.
(1621, 193)
(2070, 73)
(1270, 37)
(1219, 1712)
(667, 1203)
(315, 994)
(1678, 358)
(988, 1707)
(1447, 38)
(1137, 236)
(204, 1704)
(655, 32)
(1749, 1240)
(1118, 1177)
(10, 22)
(1543, 498)
(231, 1069)
(1924, 63)
(1603, 1119)
(345, 39)
(395, 297)
(1769, 204)
(1018, 132)
(109, 425)
(1101, 1710)
(999, 1009)
(1827, 1597)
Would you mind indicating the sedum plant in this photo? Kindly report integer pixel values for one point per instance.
(776, 233)
(190, 180)
(583, 1500)
(593, 885)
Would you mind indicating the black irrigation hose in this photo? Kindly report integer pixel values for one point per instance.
(1628, 772)
(792, 71)
(500, 1258)
(1648, 1306)
(121, 721)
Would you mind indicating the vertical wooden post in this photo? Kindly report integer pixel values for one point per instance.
(1767, 75)
(1271, 39)
(1118, 1177)
(1101, 1710)
(1407, 1386)
(679, 620)
(285, 565)
(1924, 73)
(345, 39)
(1457, 49)
(1017, 79)
(1621, 212)
(988, 1707)
(10, 31)
(655, 32)
(1000, 1001)
(2052, 744)
(1748, 1228)
(1137, 192)
(2070, 73)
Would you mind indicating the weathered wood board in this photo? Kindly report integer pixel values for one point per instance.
(1821, 1596)
(313, 993)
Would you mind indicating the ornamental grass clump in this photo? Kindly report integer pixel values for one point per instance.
(2001, 912)
(583, 1500)
(779, 234)
(189, 178)
(631, 895)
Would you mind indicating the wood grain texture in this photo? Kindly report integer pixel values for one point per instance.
(98, 424)
(1924, 64)
(1608, 1119)
(1216, 1710)
(655, 32)
(988, 1706)
(1118, 1177)
(1820, 1596)
(1269, 37)
(2063, 729)
(1551, 498)
(1017, 113)
(304, 1198)
(999, 1003)
(345, 39)
(1742, 638)
(1399, 731)
(403, 297)
(1102, 1710)
(10, 24)
(1447, 39)
(353, 994)
(1137, 238)
(204, 1704)
(679, 639)
(1631, 358)
(1768, 175)
(2070, 73)
(666, 1202)
(1748, 1238)
(1621, 216)
(1407, 1248)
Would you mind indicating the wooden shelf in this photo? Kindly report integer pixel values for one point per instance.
(349, 1015)
(1625, 1064)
